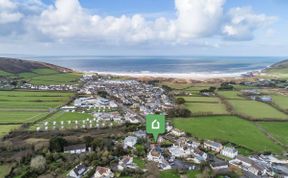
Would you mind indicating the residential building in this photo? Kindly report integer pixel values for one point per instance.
(229, 152)
(77, 172)
(213, 146)
(130, 141)
(103, 172)
(75, 149)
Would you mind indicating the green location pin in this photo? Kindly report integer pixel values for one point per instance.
(155, 124)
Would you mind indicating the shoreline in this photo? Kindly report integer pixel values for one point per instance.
(185, 76)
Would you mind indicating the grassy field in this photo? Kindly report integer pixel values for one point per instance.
(54, 79)
(5, 169)
(28, 106)
(278, 130)
(257, 110)
(281, 101)
(4, 129)
(227, 128)
(198, 105)
(177, 86)
(4, 74)
(230, 95)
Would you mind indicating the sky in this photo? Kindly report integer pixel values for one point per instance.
(144, 27)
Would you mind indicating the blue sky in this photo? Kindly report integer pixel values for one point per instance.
(144, 27)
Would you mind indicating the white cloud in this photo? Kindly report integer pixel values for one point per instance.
(66, 22)
(198, 18)
(243, 22)
(8, 12)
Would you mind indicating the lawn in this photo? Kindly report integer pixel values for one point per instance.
(279, 130)
(29, 106)
(256, 110)
(193, 174)
(139, 162)
(4, 129)
(228, 128)
(198, 105)
(169, 174)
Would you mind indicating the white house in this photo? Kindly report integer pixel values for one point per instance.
(126, 162)
(247, 164)
(75, 149)
(177, 132)
(78, 171)
(229, 152)
(103, 172)
(154, 155)
(130, 141)
(200, 155)
(178, 151)
(214, 146)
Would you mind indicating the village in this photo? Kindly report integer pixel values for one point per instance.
(127, 102)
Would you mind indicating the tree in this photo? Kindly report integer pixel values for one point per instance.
(180, 101)
(102, 94)
(38, 164)
(56, 144)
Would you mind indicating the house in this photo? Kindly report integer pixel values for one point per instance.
(193, 144)
(140, 133)
(126, 162)
(177, 151)
(177, 132)
(218, 164)
(103, 172)
(130, 141)
(77, 172)
(154, 155)
(246, 164)
(213, 146)
(229, 152)
(200, 155)
(75, 149)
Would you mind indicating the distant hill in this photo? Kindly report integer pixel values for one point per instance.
(16, 66)
(279, 67)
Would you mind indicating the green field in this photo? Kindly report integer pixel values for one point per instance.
(201, 105)
(4, 74)
(177, 86)
(228, 128)
(169, 174)
(281, 101)
(29, 106)
(4, 129)
(256, 110)
(230, 95)
(54, 79)
(278, 130)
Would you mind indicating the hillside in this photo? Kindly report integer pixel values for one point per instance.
(16, 66)
(38, 73)
(280, 67)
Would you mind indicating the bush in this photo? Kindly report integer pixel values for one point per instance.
(180, 101)
(38, 164)
(57, 144)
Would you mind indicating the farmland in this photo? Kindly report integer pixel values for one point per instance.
(227, 128)
(278, 130)
(281, 101)
(28, 106)
(250, 108)
(198, 105)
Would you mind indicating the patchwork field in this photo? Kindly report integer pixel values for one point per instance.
(28, 106)
(257, 110)
(253, 109)
(279, 130)
(201, 105)
(228, 128)
(281, 101)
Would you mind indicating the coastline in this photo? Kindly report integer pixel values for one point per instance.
(185, 76)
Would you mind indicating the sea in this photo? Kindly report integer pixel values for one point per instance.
(180, 66)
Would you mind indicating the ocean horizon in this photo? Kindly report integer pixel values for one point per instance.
(177, 66)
